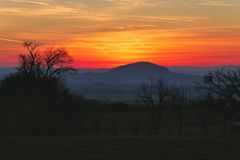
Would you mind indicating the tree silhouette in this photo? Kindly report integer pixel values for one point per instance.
(178, 101)
(223, 86)
(36, 94)
(39, 73)
(53, 63)
(154, 97)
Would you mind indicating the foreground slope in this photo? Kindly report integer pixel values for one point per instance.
(120, 148)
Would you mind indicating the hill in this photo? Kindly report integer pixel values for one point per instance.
(123, 81)
(139, 68)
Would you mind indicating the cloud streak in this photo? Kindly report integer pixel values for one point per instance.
(139, 3)
(217, 3)
(10, 40)
(32, 2)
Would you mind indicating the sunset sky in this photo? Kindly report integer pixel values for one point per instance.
(108, 33)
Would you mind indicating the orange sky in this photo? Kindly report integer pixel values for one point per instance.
(108, 33)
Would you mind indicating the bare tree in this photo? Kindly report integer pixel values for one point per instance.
(154, 97)
(56, 62)
(30, 63)
(223, 86)
(49, 64)
(178, 101)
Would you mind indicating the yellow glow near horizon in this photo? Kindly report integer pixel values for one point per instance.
(106, 33)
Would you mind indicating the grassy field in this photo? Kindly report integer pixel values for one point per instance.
(120, 148)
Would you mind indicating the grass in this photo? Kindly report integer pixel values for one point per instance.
(120, 148)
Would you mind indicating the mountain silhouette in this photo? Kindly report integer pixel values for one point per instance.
(121, 83)
(134, 73)
(139, 68)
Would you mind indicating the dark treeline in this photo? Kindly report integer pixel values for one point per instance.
(35, 101)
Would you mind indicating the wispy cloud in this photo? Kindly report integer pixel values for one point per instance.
(169, 18)
(32, 2)
(217, 3)
(10, 10)
(56, 10)
(10, 40)
(139, 3)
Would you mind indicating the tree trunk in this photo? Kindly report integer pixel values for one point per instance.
(225, 120)
(180, 126)
(155, 123)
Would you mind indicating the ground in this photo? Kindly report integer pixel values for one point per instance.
(120, 148)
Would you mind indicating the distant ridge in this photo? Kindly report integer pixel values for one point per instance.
(121, 83)
(140, 68)
(139, 72)
(134, 74)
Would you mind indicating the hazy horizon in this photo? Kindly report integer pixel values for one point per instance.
(99, 68)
